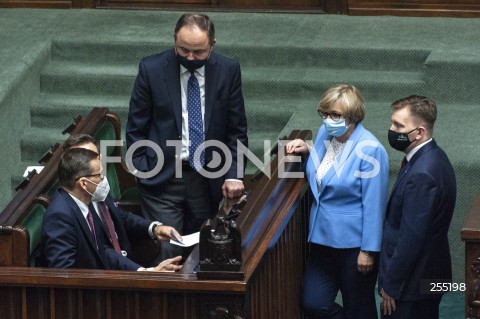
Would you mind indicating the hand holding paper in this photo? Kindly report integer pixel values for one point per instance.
(187, 241)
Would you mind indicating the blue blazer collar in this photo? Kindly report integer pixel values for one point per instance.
(346, 152)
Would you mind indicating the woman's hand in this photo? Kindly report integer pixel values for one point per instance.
(297, 146)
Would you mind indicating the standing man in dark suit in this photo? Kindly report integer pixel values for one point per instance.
(181, 98)
(72, 234)
(415, 250)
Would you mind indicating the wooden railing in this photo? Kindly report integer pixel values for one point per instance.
(471, 236)
(273, 226)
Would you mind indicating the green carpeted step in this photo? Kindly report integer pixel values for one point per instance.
(35, 142)
(105, 52)
(112, 52)
(329, 57)
(58, 110)
(308, 83)
(85, 79)
(288, 82)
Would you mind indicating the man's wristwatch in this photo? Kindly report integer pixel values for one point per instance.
(153, 228)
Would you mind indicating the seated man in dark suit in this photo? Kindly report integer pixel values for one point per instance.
(126, 225)
(73, 236)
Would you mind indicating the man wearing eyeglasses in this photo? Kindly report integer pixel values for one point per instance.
(72, 234)
(125, 226)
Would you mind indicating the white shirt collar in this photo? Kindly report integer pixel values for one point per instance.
(83, 208)
(199, 71)
(416, 148)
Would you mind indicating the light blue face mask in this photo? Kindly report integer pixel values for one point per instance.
(335, 128)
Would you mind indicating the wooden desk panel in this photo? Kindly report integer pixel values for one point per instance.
(471, 236)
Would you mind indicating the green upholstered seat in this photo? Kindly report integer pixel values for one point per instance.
(33, 224)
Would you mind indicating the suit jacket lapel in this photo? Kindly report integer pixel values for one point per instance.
(82, 222)
(320, 149)
(426, 148)
(211, 79)
(172, 77)
(344, 154)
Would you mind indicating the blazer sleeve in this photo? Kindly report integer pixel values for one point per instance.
(59, 239)
(118, 262)
(132, 224)
(237, 122)
(139, 116)
(374, 168)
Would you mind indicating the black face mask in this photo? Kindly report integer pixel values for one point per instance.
(399, 141)
(191, 65)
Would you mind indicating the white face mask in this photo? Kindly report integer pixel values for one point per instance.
(102, 190)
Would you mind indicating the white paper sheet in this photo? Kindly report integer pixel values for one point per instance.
(188, 240)
(31, 168)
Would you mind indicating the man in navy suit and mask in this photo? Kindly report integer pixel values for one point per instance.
(182, 98)
(415, 250)
(73, 234)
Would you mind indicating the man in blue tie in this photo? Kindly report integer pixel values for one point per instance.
(182, 98)
(415, 252)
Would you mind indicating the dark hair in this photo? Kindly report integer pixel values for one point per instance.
(421, 107)
(77, 140)
(202, 21)
(74, 163)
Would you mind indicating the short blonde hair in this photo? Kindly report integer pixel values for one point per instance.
(350, 99)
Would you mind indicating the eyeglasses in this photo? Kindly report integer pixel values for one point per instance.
(333, 115)
(92, 175)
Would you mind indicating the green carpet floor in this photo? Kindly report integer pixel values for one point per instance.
(57, 64)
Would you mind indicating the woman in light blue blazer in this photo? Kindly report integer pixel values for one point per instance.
(348, 175)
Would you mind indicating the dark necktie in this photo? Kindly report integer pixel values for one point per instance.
(404, 163)
(92, 226)
(111, 229)
(195, 123)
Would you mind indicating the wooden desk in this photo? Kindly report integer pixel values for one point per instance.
(471, 236)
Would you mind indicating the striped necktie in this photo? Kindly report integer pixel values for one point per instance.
(92, 226)
(107, 218)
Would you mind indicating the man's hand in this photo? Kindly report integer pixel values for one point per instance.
(230, 202)
(387, 305)
(297, 146)
(365, 262)
(169, 265)
(167, 232)
(232, 189)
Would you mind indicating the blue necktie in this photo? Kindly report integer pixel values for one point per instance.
(195, 123)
